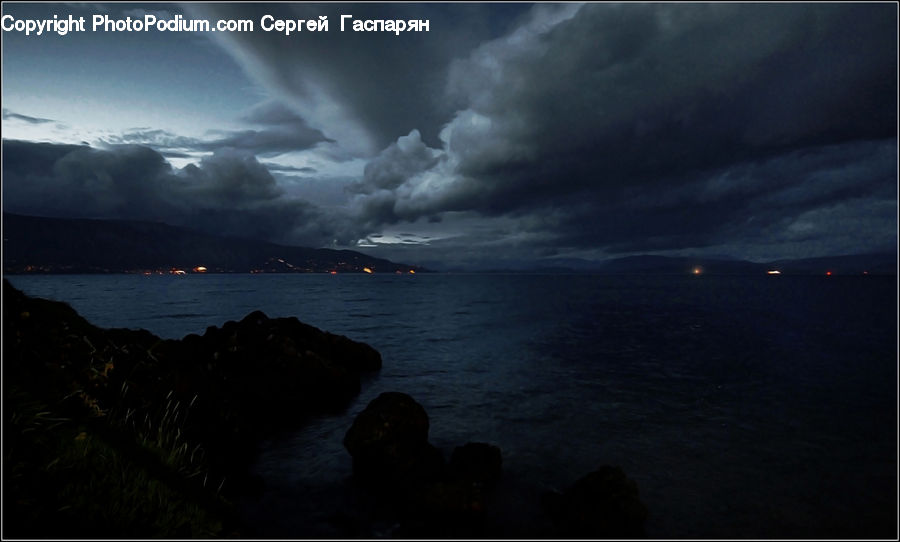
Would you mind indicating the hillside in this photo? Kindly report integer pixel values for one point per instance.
(55, 245)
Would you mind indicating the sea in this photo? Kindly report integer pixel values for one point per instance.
(742, 406)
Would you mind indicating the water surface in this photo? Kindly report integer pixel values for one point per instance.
(742, 406)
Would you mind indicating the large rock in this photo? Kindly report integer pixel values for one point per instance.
(602, 504)
(391, 455)
(389, 444)
(296, 336)
(229, 387)
(266, 373)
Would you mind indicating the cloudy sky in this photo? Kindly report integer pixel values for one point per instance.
(506, 133)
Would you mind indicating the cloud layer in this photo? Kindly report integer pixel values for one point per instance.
(756, 130)
(229, 192)
(659, 127)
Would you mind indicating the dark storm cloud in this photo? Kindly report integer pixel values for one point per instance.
(405, 158)
(530, 130)
(266, 142)
(7, 115)
(401, 160)
(599, 124)
(369, 86)
(755, 202)
(280, 131)
(229, 192)
(67, 180)
(229, 178)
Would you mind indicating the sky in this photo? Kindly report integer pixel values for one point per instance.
(506, 133)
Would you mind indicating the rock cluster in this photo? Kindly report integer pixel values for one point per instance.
(389, 444)
(261, 375)
(218, 393)
(182, 412)
(393, 459)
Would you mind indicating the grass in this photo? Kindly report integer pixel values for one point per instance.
(93, 445)
(117, 433)
(105, 476)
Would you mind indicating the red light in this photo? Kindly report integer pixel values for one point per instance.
(828, 273)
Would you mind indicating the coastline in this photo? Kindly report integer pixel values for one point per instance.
(116, 432)
(119, 433)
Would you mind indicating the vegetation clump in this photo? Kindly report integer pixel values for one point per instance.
(118, 433)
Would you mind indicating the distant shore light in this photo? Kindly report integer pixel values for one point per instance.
(367, 270)
(773, 272)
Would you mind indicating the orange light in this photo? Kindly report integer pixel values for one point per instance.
(828, 273)
(773, 272)
(412, 271)
(333, 272)
(199, 269)
(697, 270)
(367, 270)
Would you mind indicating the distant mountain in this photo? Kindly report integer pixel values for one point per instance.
(875, 264)
(60, 245)
(57, 245)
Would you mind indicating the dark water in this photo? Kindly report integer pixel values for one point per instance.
(742, 406)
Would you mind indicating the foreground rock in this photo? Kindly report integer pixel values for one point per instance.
(389, 444)
(263, 375)
(602, 504)
(393, 459)
(179, 418)
(423, 498)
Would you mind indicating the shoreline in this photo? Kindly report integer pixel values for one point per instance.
(181, 422)
(179, 419)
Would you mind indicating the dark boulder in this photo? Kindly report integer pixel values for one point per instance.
(259, 376)
(275, 366)
(230, 387)
(393, 459)
(342, 351)
(389, 444)
(602, 504)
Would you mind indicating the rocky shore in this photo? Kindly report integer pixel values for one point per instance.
(118, 433)
(428, 497)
